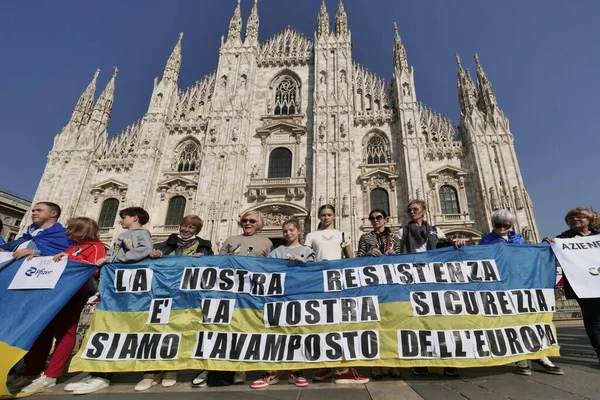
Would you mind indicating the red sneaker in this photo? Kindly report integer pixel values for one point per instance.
(322, 374)
(349, 376)
(297, 379)
(269, 378)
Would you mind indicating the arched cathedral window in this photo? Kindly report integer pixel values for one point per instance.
(286, 97)
(189, 157)
(380, 200)
(175, 211)
(280, 163)
(449, 200)
(108, 213)
(376, 151)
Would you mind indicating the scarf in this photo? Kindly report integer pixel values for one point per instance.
(50, 241)
(415, 236)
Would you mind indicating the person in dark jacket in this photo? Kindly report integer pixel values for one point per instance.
(583, 222)
(502, 222)
(186, 242)
(418, 236)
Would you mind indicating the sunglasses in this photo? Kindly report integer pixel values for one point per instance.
(376, 217)
(246, 220)
(505, 226)
(415, 209)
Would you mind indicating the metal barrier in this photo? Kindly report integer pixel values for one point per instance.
(565, 308)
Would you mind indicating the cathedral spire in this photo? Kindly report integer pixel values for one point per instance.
(323, 21)
(174, 62)
(85, 104)
(486, 101)
(400, 59)
(103, 108)
(466, 89)
(235, 25)
(252, 24)
(341, 21)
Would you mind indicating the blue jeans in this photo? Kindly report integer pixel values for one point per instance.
(590, 309)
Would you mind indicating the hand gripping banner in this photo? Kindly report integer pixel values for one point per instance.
(24, 313)
(474, 306)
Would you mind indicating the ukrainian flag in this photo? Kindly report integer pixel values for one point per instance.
(25, 313)
(520, 268)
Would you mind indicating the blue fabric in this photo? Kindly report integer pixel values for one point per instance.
(25, 313)
(2, 241)
(305, 281)
(50, 241)
(493, 237)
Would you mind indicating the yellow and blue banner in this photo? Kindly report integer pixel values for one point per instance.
(24, 313)
(467, 307)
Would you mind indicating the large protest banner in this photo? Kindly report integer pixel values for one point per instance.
(474, 306)
(580, 260)
(25, 312)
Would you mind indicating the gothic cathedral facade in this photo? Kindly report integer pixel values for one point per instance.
(283, 127)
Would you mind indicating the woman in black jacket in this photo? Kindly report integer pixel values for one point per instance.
(583, 222)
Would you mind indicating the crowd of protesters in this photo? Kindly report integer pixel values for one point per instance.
(79, 241)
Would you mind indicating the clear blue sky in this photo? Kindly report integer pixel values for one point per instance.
(541, 56)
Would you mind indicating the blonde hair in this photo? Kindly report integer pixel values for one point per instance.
(590, 214)
(83, 229)
(417, 201)
(193, 220)
(259, 218)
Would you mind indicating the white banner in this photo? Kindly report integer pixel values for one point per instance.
(5, 257)
(580, 261)
(39, 273)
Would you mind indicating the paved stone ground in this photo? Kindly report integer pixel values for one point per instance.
(581, 381)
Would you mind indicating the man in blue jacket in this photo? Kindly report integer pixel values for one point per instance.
(45, 237)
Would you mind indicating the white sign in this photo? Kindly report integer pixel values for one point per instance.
(5, 257)
(580, 261)
(39, 273)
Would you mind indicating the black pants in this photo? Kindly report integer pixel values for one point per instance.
(590, 309)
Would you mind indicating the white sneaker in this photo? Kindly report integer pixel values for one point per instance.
(169, 379)
(239, 377)
(70, 387)
(92, 385)
(148, 380)
(43, 382)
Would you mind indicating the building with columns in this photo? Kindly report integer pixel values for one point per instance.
(283, 126)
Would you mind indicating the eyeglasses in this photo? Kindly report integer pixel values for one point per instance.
(504, 226)
(578, 216)
(376, 217)
(415, 209)
(248, 220)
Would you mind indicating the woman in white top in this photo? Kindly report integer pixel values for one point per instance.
(330, 244)
(327, 242)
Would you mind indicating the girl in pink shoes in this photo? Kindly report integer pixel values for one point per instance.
(292, 251)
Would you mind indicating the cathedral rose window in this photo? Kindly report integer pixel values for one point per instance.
(376, 152)
(286, 97)
(189, 159)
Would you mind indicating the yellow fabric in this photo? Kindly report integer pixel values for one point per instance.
(396, 316)
(9, 356)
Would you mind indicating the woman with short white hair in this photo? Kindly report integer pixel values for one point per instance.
(502, 222)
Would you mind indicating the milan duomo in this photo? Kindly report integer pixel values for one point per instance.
(284, 126)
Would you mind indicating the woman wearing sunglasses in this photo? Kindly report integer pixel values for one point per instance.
(380, 241)
(503, 221)
(246, 244)
(418, 236)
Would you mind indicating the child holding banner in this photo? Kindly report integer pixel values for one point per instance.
(86, 248)
(293, 251)
(329, 243)
(132, 245)
(502, 222)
